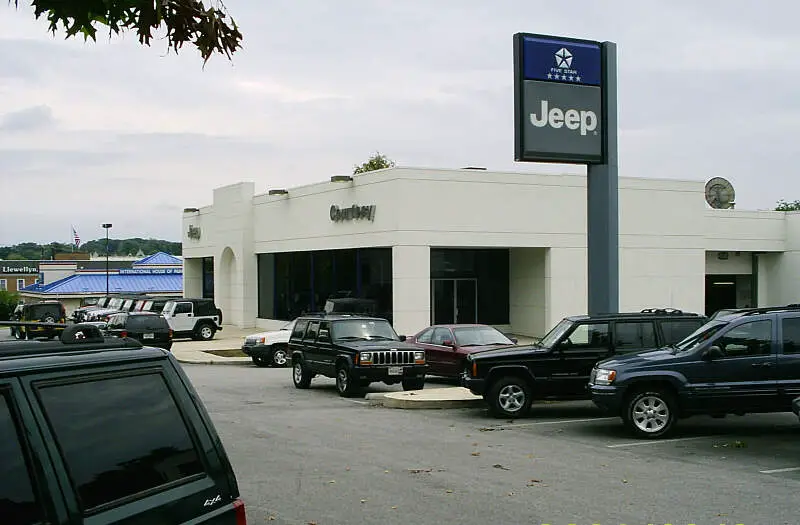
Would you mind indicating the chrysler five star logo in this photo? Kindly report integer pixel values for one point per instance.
(563, 58)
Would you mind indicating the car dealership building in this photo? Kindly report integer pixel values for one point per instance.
(467, 245)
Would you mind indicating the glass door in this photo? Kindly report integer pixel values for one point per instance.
(454, 301)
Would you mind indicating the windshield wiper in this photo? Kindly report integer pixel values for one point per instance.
(380, 338)
(351, 338)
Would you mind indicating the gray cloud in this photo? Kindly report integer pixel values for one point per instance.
(28, 119)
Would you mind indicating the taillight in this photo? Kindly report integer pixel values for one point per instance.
(123, 334)
(238, 507)
(170, 334)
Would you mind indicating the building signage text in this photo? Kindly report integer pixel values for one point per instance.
(353, 212)
(150, 271)
(558, 99)
(193, 233)
(18, 269)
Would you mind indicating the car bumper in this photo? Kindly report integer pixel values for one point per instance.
(382, 373)
(607, 397)
(475, 385)
(257, 350)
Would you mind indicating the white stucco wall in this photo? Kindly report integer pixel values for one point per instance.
(666, 235)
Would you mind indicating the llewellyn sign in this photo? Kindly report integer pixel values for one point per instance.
(354, 212)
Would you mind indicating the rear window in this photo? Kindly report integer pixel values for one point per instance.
(676, 330)
(17, 498)
(38, 311)
(117, 321)
(147, 323)
(108, 452)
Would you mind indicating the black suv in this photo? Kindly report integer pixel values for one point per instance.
(745, 362)
(104, 430)
(146, 327)
(356, 351)
(559, 365)
(39, 318)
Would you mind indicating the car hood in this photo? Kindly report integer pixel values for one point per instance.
(378, 345)
(509, 351)
(485, 348)
(271, 336)
(646, 358)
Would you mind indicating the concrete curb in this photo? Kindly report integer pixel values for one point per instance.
(201, 361)
(443, 398)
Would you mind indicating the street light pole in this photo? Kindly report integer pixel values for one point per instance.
(107, 226)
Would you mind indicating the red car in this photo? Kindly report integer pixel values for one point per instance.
(447, 345)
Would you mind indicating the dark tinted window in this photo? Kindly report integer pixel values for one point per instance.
(440, 335)
(17, 500)
(299, 329)
(117, 321)
(147, 323)
(324, 333)
(791, 335)
(748, 339)
(183, 308)
(676, 330)
(634, 335)
(109, 452)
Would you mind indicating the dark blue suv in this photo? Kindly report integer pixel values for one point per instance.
(746, 362)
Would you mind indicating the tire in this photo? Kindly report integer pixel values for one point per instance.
(345, 384)
(280, 358)
(414, 383)
(510, 397)
(651, 413)
(260, 362)
(301, 375)
(205, 332)
(49, 319)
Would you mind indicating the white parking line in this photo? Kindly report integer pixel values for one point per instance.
(656, 442)
(777, 470)
(557, 422)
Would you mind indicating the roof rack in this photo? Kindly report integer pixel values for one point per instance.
(75, 337)
(767, 309)
(665, 311)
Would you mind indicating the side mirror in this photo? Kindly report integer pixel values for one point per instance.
(448, 342)
(713, 352)
(403, 338)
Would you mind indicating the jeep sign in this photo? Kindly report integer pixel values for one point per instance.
(558, 100)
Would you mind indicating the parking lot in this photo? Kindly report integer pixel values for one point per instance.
(309, 456)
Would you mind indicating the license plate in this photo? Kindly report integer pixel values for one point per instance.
(395, 370)
(148, 336)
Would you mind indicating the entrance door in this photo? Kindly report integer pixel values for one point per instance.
(454, 301)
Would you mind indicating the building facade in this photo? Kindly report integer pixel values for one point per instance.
(16, 275)
(507, 249)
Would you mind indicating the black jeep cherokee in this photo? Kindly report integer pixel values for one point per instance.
(103, 430)
(559, 365)
(356, 351)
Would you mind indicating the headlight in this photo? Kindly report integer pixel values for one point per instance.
(262, 340)
(605, 377)
(365, 358)
(419, 358)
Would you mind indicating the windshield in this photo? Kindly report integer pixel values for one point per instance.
(289, 326)
(480, 336)
(555, 334)
(700, 335)
(363, 330)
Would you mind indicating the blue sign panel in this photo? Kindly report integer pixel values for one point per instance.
(561, 60)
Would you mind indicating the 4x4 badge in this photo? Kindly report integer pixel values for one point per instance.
(210, 502)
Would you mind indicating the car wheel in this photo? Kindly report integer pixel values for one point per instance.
(205, 332)
(509, 397)
(49, 319)
(260, 362)
(414, 383)
(279, 357)
(301, 375)
(345, 384)
(650, 413)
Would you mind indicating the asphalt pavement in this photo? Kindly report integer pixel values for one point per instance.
(309, 456)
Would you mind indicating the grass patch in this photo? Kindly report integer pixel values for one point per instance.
(227, 353)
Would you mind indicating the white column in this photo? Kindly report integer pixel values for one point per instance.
(527, 304)
(566, 283)
(193, 277)
(411, 288)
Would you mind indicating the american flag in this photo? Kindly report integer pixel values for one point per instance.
(75, 238)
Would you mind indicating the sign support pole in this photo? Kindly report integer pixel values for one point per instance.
(603, 202)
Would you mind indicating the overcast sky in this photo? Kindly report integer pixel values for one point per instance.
(117, 132)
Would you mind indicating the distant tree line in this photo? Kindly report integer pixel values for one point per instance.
(116, 247)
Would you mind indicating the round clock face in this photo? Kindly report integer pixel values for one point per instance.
(719, 193)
